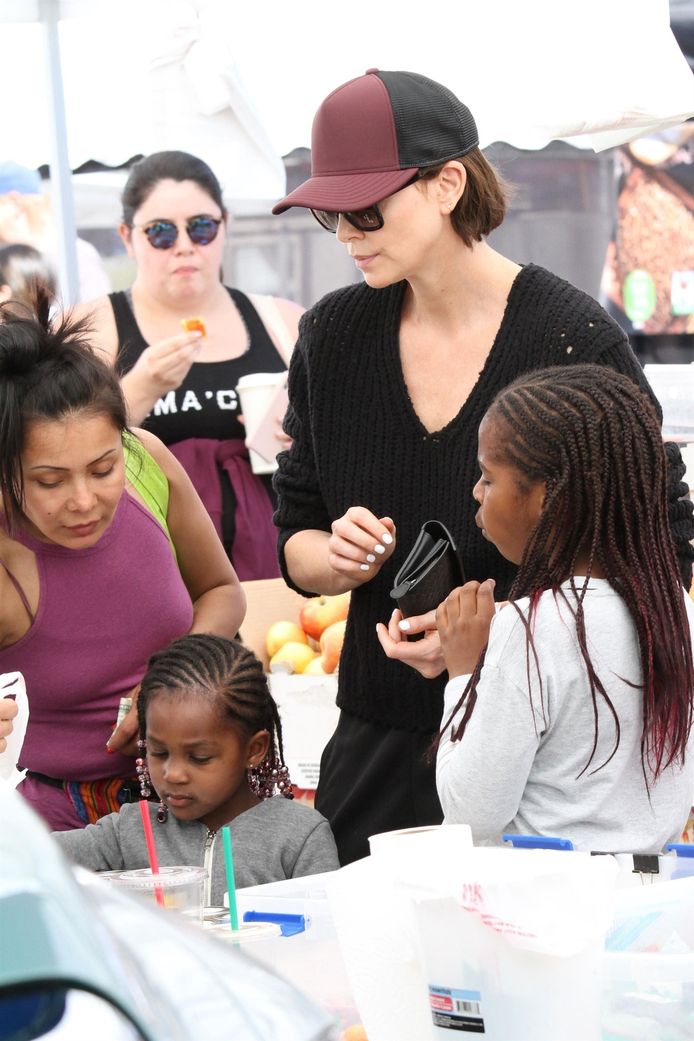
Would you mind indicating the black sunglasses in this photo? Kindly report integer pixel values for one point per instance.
(368, 219)
(162, 234)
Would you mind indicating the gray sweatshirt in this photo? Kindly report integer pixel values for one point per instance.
(277, 839)
(520, 766)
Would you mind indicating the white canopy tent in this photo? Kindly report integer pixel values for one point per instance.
(238, 83)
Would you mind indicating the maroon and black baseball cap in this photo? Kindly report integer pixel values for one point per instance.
(372, 135)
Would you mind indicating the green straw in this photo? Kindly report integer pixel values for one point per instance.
(231, 884)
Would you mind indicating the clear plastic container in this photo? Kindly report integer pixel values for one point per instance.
(311, 959)
(648, 996)
(648, 965)
(174, 888)
(247, 932)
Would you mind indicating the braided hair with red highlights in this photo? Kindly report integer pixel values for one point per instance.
(594, 438)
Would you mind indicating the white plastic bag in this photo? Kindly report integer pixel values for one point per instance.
(514, 948)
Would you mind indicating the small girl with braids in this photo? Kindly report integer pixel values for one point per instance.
(569, 712)
(212, 739)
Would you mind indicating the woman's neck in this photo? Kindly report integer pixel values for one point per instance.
(460, 286)
(158, 307)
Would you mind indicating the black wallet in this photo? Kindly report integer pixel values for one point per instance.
(432, 569)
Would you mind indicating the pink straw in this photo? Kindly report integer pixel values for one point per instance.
(151, 848)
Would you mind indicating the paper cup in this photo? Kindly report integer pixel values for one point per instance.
(256, 392)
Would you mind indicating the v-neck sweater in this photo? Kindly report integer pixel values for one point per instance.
(357, 441)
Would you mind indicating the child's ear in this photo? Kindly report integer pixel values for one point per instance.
(257, 748)
(540, 493)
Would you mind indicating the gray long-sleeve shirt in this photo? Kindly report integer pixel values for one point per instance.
(517, 766)
(277, 839)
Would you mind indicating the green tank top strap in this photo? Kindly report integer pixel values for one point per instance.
(147, 477)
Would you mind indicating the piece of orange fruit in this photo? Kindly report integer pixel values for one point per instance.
(193, 325)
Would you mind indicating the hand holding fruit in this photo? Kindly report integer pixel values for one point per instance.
(164, 365)
(360, 543)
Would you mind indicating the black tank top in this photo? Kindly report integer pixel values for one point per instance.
(206, 403)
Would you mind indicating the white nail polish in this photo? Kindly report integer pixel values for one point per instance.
(370, 558)
(404, 625)
(378, 548)
(387, 538)
(364, 567)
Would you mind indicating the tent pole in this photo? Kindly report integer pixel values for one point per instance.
(61, 174)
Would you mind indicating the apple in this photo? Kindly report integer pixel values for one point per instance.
(331, 642)
(315, 667)
(280, 633)
(321, 611)
(292, 657)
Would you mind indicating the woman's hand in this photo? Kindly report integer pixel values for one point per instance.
(359, 544)
(8, 710)
(463, 621)
(424, 655)
(285, 441)
(124, 737)
(160, 368)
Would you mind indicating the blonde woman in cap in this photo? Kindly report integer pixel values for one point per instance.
(388, 384)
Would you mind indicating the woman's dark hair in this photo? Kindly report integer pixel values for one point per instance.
(594, 438)
(25, 270)
(231, 677)
(167, 166)
(48, 370)
(482, 206)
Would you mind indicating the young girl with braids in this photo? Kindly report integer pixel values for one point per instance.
(212, 743)
(569, 712)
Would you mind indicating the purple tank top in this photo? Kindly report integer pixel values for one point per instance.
(102, 612)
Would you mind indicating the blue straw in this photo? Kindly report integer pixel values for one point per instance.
(231, 884)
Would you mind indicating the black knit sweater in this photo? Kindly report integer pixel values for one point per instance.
(359, 442)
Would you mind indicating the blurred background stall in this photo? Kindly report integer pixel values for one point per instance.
(237, 85)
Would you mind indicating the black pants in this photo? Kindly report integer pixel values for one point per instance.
(374, 779)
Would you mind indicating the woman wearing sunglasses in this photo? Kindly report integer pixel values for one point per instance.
(182, 385)
(388, 384)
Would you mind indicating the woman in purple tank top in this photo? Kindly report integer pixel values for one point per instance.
(89, 584)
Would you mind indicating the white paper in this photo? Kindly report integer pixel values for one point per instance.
(12, 685)
(309, 716)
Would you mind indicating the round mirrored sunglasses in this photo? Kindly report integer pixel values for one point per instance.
(162, 234)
